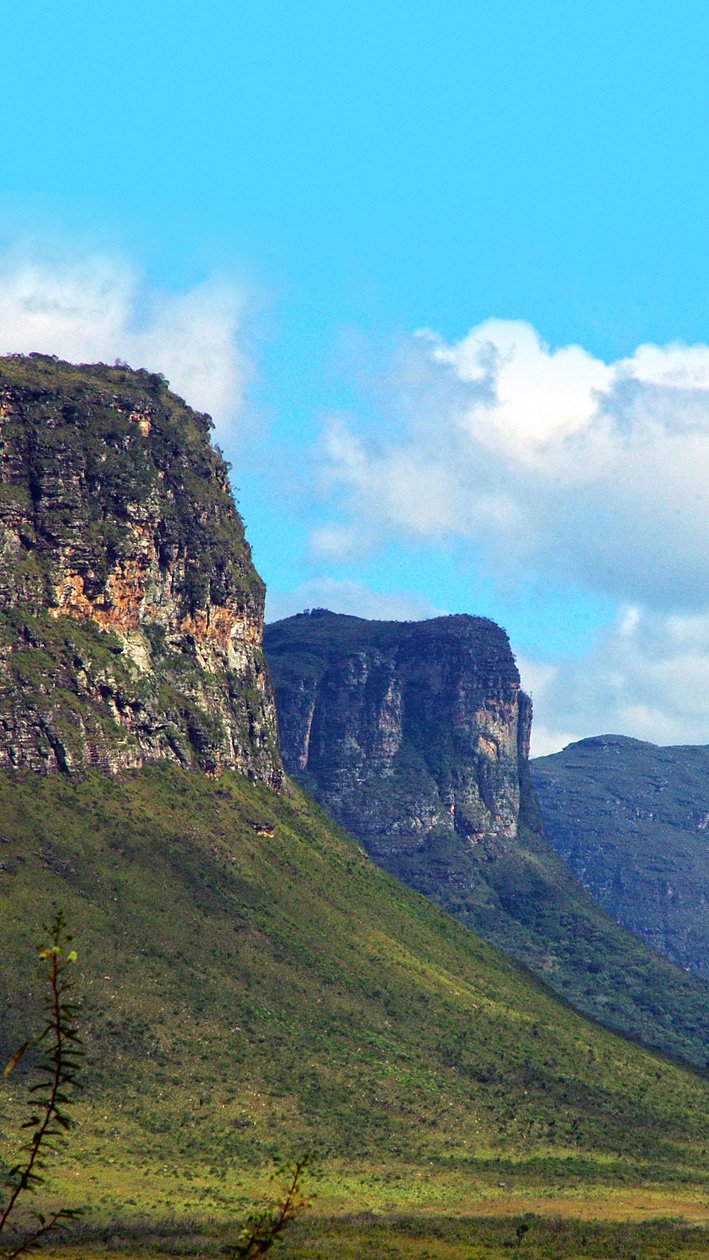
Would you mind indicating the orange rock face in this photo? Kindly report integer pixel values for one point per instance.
(116, 516)
(117, 608)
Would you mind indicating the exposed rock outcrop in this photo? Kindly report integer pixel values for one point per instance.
(404, 730)
(131, 615)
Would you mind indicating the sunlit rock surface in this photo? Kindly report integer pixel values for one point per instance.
(131, 615)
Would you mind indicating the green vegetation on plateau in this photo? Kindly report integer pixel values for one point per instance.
(74, 426)
(254, 986)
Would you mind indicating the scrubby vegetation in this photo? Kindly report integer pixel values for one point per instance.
(522, 899)
(372, 1236)
(258, 987)
(82, 419)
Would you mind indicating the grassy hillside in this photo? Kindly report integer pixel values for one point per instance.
(522, 898)
(254, 986)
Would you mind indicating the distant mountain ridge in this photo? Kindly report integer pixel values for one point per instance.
(631, 821)
(131, 615)
(414, 736)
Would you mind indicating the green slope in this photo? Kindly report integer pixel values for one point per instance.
(522, 898)
(253, 984)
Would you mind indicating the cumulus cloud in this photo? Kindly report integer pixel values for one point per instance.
(99, 308)
(645, 676)
(546, 461)
(345, 596)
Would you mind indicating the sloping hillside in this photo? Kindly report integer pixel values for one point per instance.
(253, 984)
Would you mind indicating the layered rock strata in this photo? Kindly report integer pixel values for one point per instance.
(131, 615)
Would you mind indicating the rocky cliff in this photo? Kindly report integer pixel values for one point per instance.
(403, 730)
(631, 821)
(414, 736)
(131, 615)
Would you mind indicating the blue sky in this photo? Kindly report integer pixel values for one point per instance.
(274, 198)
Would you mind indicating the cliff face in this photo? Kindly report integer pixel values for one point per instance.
(403, 731)
(130, 612)
(631, 822)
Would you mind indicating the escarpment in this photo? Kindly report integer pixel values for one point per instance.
(415, 737)
(131, 615)
(407, 732)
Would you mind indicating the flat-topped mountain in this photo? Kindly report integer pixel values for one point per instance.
(414, 736)
(403, 730)
(131, 614)
(631, 819)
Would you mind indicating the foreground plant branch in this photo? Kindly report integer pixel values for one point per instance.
(52, 1093)
(264, 1228)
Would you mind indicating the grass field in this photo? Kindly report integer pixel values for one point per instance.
(360, 1237)
(253, 987)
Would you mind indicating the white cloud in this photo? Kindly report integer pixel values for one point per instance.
(546, 461)
(647, 676)
(531, 394)
(99, 308)
(337, 542)
(344, 596)
(555, 466)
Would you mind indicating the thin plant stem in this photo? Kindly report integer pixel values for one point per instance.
(60, 1066)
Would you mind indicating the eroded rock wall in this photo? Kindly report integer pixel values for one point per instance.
(403, 730)
(631, 822)
(131, 616)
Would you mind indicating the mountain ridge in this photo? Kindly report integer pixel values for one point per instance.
(253, 984)
(629, 818)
